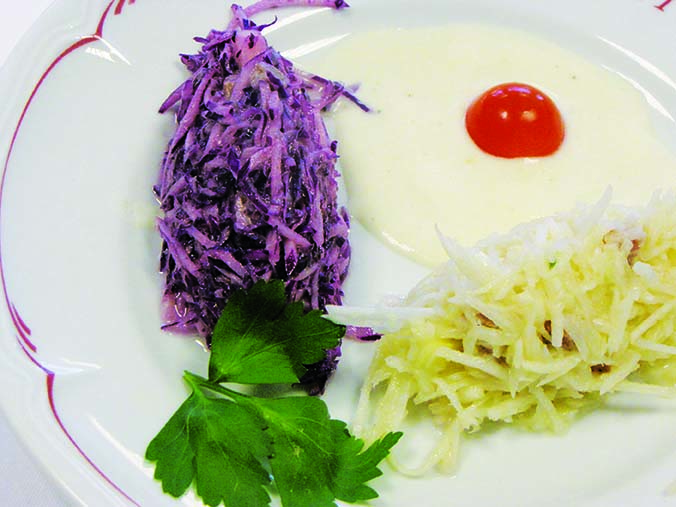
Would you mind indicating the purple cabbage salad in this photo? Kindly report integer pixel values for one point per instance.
(248, 184)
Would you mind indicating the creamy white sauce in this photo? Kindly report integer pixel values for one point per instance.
(410, 166)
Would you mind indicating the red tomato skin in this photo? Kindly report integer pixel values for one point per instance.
(515, 120)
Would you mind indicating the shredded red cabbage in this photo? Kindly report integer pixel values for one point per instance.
(248, 183)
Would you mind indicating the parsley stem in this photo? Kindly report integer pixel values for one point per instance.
(197, 381)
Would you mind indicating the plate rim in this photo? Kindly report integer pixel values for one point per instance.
(49, 444)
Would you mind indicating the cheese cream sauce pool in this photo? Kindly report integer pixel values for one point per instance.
(410, 165)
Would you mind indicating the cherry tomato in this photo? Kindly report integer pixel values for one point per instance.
(514, 120)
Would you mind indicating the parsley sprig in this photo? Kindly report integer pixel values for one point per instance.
(234, 446)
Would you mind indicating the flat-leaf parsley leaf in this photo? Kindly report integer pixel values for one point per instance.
(232, 446)
(260, 339)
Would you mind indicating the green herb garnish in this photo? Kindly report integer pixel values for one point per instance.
(233, 446)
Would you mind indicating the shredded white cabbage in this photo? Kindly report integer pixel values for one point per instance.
(529, 327)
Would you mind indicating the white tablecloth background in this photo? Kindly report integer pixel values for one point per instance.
(23, 482)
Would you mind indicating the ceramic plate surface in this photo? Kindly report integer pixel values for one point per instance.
(87, 376)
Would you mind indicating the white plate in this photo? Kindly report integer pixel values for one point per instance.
(87, 376)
